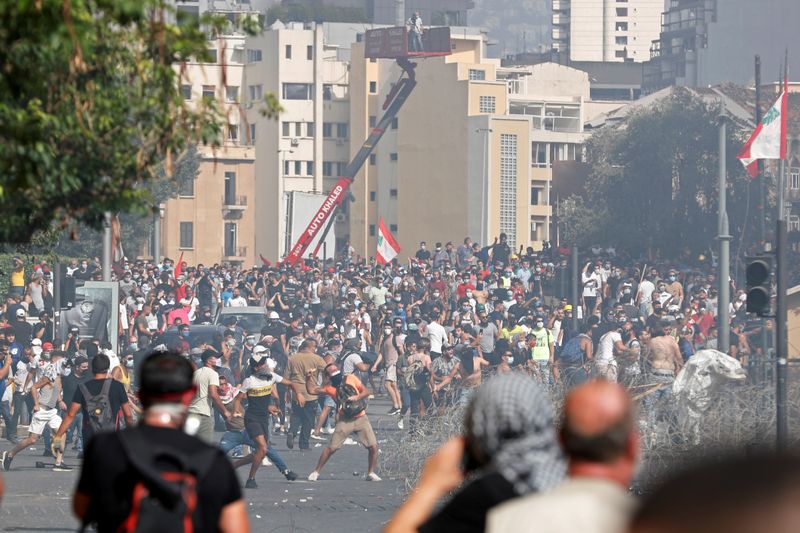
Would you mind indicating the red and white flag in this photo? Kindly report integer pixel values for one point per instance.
(388, 248)
(768, 141)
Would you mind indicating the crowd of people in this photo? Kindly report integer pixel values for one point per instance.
(313, 343)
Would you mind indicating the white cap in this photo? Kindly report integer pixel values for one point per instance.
(273, 315)
(259, 349)
(20, 312)
(36, 342)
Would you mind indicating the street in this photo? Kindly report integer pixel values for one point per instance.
(40, 499)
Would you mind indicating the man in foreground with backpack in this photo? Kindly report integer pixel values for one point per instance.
(99, 400)
(155, 477)
(350, 395)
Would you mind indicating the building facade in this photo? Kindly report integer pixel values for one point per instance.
(606, 30)
(471, 151)
(212, 219)
(708, 42)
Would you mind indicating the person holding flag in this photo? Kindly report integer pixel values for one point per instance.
(388, 247)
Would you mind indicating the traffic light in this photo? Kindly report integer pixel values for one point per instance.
(759, 284)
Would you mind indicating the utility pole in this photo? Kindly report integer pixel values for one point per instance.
(107, 246)
(724, 245)
(574, 285)
(781, 329)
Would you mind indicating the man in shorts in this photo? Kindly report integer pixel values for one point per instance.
(347, 422)
(46, 394)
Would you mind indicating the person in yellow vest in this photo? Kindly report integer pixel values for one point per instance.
(543, 351)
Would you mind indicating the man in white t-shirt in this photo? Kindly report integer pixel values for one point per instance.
(207, 397)
(437, 335)
(644, 297)
(609, 346)
(237, 300)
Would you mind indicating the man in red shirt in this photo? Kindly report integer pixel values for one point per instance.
(350, 395)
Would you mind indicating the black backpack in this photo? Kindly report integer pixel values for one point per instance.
(163, 500)
(350, 409)
(99, 416)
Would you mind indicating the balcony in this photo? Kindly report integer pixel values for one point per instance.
(231, 201)
(234, 253)
(560, 5)
(560, 19)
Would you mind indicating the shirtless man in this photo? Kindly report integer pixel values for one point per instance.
(470, 377)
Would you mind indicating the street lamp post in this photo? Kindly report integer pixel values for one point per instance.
(281, 175)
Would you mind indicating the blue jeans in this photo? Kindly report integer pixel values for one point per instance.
(11, 427)
(415, 42)
(76, 429)
(232, 439)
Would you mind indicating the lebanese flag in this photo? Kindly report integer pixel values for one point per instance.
(768, 141)
(388, 248)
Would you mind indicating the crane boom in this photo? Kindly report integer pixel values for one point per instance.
(339, 193)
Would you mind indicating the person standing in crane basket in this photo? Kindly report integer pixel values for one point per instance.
(414, 25)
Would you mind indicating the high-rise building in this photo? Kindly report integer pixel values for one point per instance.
(708, 42)
(308, 147)
(212, 218)
(606, 30)
(436, 12)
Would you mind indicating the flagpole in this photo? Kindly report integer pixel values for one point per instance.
(781, 429)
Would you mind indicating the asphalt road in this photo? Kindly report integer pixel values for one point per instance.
(342, 500)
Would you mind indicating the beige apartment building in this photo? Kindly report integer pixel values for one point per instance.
(471, 151)
(213, 218)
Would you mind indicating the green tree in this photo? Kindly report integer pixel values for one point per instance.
(90, 107)
(652, 187)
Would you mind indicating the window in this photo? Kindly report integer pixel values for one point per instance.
(393, 228)
(477, 74)
(486, 104)
(187, 235)
(327, 91)
(622, 26)
(393, 193)
(341, 130)
(209, 91)
(233, 132)
(236, 55)
(539, 155)
(298, 129)
(395, 122)
(508, 187)
(309, 168)
(341, 167)
(621, 54)
(622, 39)
(298, 167)
(297, 91)
(373, 159)
(372, 230)
(286, 168)
(327, 129)
(212, 55)
(793, 223)
(372, 196)
(252, 134)
(286, 129)
(231, 93)
(230, 188)
(253, 55)
(794, 179)
(186, 92)
(186, 188)
(535, 195)
(256, 92)
(622, 11)
(373, 121)
(230, 240)
(373, 87)
(393, 156)
(309, 52)
(327, 168)
(310, 129)
(288, 51)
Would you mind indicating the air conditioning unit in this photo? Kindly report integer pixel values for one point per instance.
(295, 142)
(340, 217)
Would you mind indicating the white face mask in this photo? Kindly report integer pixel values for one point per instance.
(510, 360)
(539, 325)
(387, 331)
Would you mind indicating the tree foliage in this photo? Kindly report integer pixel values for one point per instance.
(90, 107)
(652, 187)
